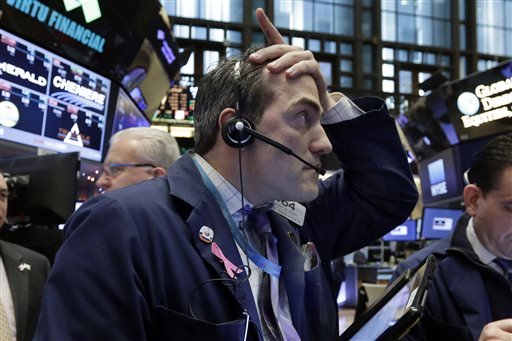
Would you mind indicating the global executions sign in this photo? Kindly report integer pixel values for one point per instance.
(63, 24)
(481, 104)
(491, 100)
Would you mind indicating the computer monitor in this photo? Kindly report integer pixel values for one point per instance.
(47, 101)
(127, 113)
(438, 223)
(42, 188)
(403, 232)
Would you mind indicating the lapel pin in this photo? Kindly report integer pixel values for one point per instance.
(231, 269)
(24, 266)
(206, 234)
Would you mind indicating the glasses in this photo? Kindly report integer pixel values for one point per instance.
(114, 169)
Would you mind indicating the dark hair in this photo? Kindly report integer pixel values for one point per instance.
(489, 163)
(218, 90)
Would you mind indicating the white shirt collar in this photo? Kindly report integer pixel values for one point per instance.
(231, 196)
(483, 254)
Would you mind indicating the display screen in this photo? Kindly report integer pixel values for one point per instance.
(403, 232)
(178, 106)
(438, 223)
(481, 104)
(50, 102)
(127, 113)
(477, 106)
(441, 177)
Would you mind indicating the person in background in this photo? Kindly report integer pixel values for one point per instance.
(23, 273)
(472, 285)
(236, 243)
(359, 258)
(135, 155)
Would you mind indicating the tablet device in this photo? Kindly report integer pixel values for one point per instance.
(399, 308)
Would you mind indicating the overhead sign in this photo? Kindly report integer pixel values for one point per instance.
(91, 8)
(63, 24)
(481, 104)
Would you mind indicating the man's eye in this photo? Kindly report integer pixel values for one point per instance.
(115, 170)
(302, 116)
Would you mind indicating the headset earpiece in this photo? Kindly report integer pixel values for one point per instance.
(235, 137)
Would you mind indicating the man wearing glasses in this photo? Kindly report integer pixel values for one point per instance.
(135, 155)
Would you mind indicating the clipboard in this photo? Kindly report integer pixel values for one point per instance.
(397, 310)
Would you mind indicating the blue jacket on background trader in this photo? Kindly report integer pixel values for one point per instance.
(153, 261)
(471, 290)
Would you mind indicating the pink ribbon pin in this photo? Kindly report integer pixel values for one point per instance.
(231, 269)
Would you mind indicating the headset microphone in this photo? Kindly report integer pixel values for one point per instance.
(239, 133)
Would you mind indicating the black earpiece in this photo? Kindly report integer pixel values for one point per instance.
(235, 135)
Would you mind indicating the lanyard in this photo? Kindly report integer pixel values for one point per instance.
(261, 262)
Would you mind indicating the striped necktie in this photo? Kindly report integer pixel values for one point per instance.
(273, 299)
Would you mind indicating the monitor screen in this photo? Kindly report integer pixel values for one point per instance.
(127, 113)
(50, 102)
(178, 106)
(42, 189)
(479, 105)
(438, 223)
(403, 232)
(441, 177)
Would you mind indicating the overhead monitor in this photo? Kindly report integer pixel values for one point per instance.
(474, 107)
(178, 106)
(480, 104)
(403, 232)
(50, 102)
(438, 223)
(127, 113)
(441, 177)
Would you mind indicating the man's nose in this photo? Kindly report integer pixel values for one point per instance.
(103, 181)
(321, 144)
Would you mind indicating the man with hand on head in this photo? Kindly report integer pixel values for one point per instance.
(23, 273)
(135, 155)
(236, 241)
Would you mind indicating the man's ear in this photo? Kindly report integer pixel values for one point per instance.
(224, 116)
(471, 194)
(159, 171)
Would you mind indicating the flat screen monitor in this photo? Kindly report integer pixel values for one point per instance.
(479, 105)
(441, 177)
(50, 102)
(403, 232)
(179, 105)
(42, 188)
(127, 113)
(438, 223)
